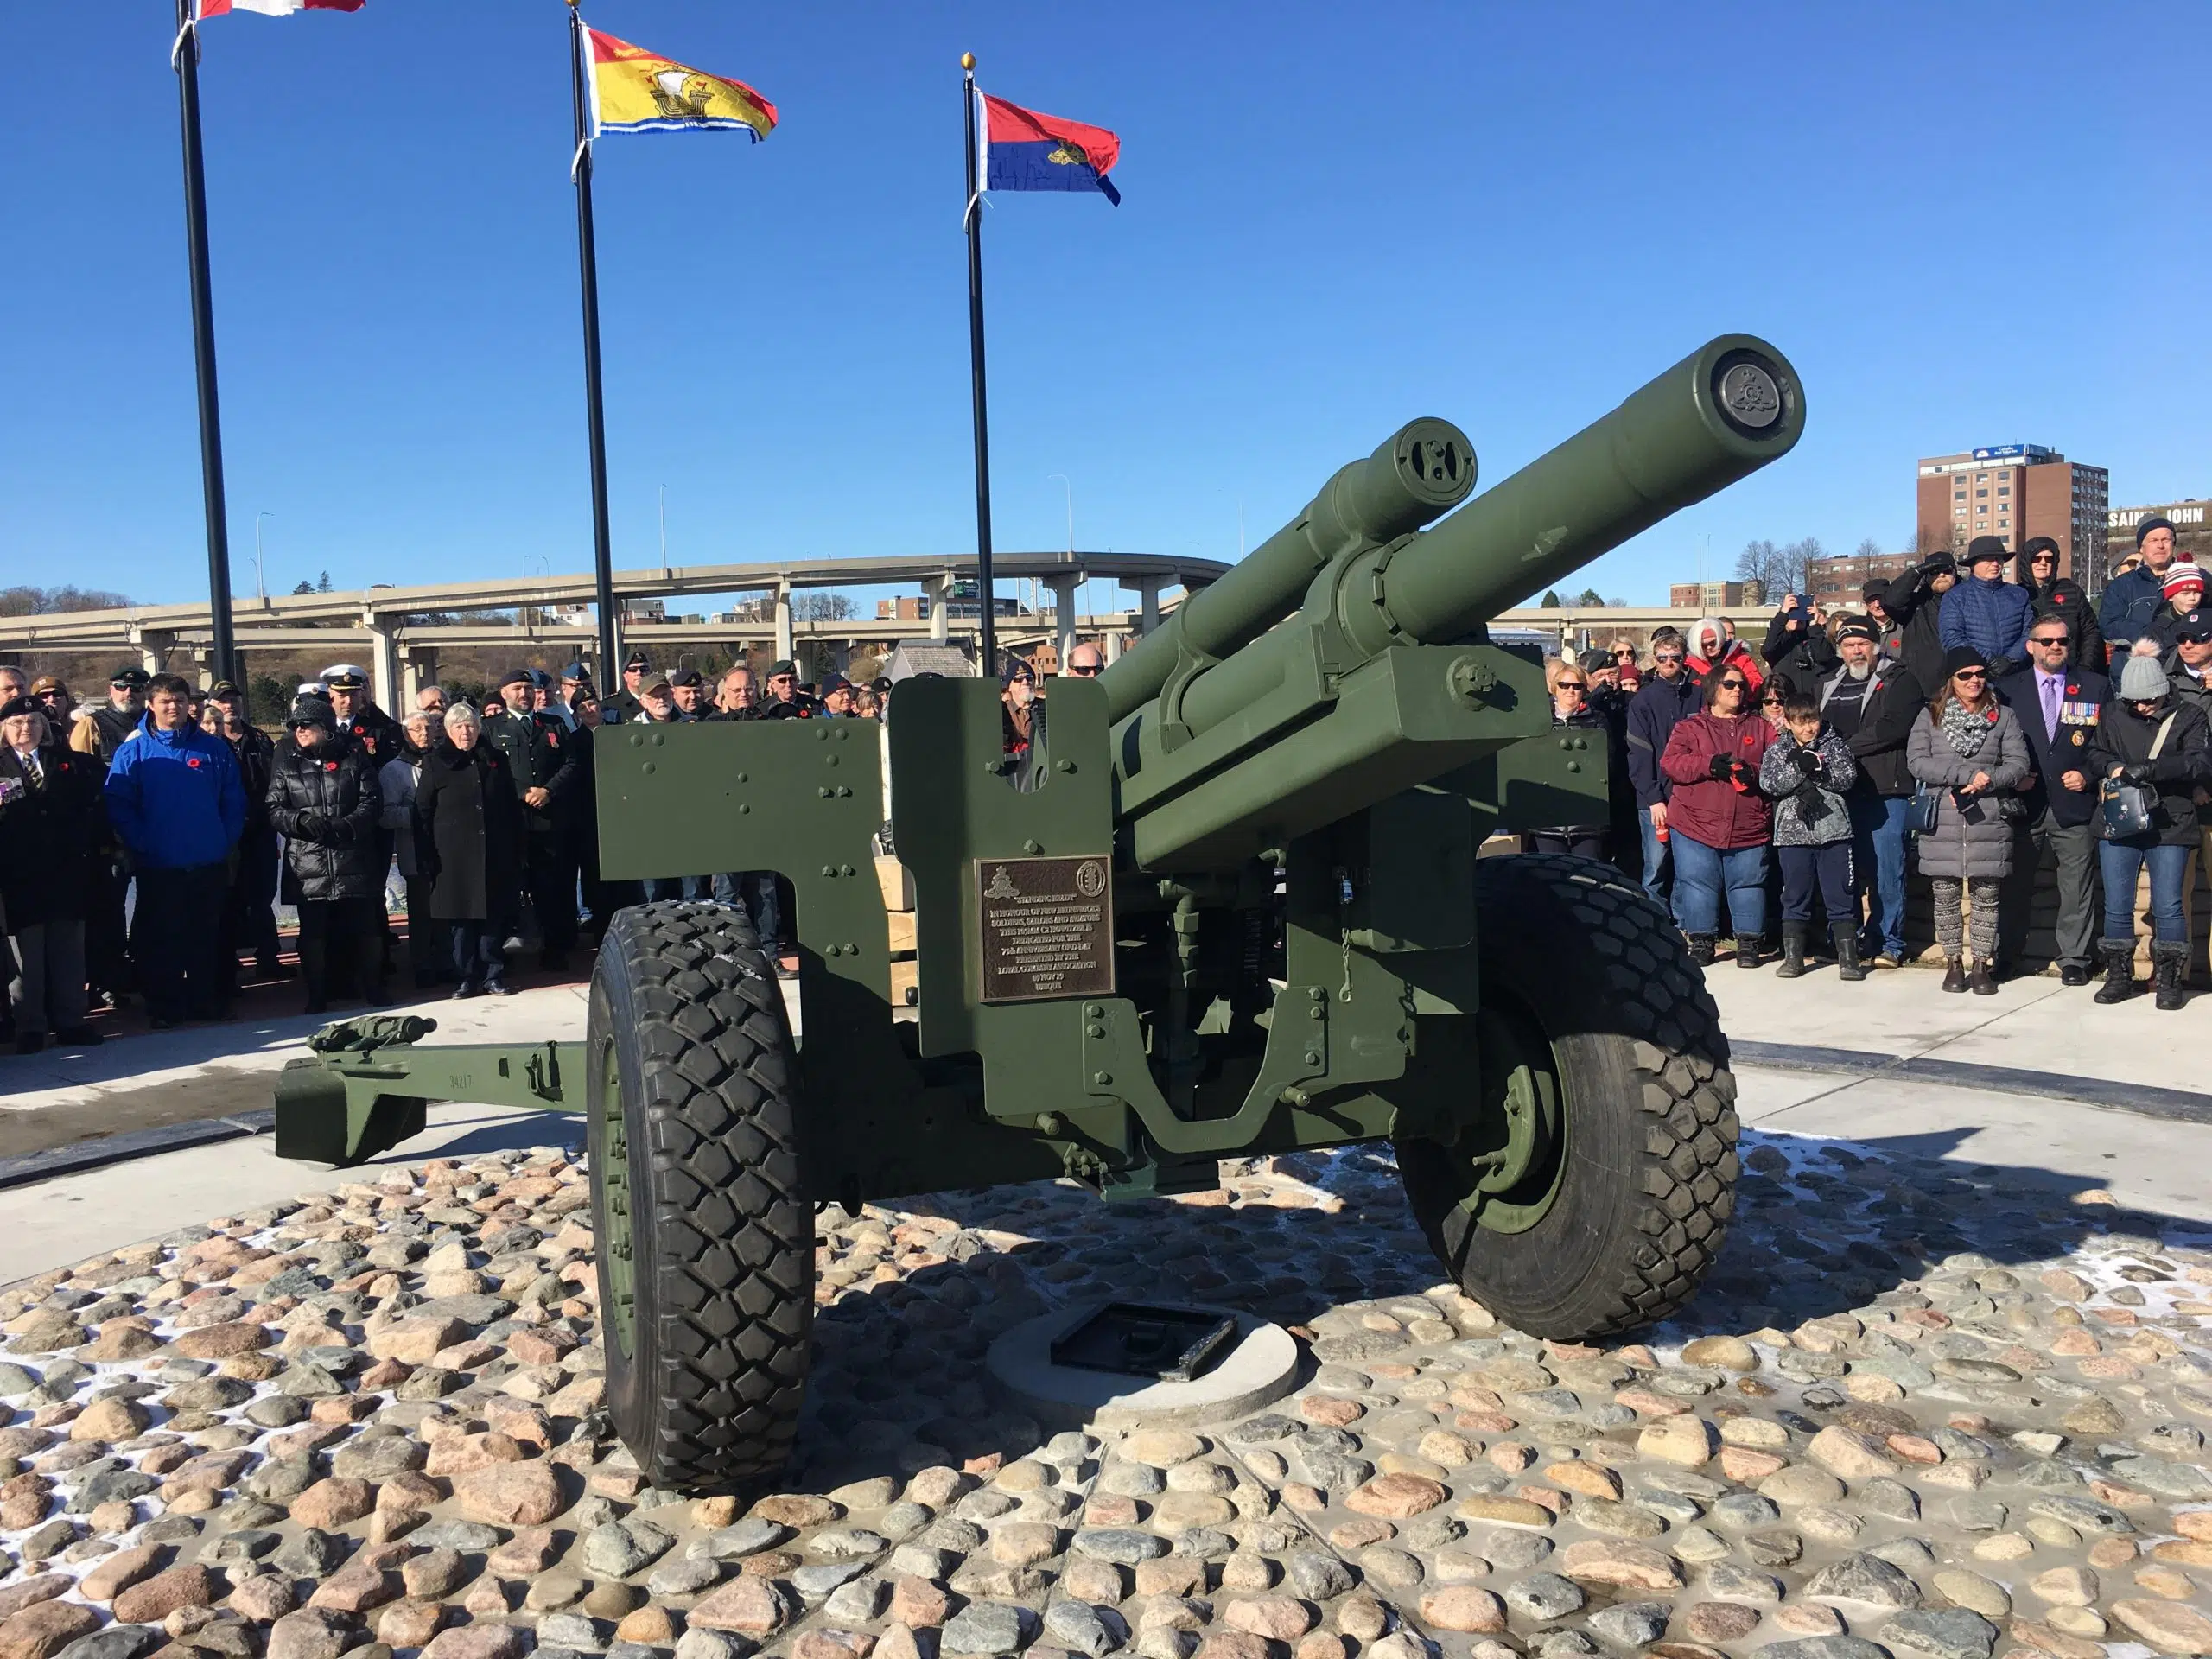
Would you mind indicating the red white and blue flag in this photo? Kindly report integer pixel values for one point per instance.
(1025, 149)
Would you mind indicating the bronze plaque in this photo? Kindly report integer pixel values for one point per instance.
(1047, 927)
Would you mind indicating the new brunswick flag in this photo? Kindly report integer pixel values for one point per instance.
(636, 91)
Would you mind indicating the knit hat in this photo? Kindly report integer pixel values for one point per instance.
(2154, 522)
(1855, 627)
(1961, 657)
(2181, 574)
(2141, 680)
(313, 711)
(1986, 550)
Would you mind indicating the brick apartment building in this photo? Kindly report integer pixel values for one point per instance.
(1711, 596)
(1838, 582)
(2015, 491)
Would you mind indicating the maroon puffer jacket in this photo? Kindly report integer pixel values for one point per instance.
(1714, 811)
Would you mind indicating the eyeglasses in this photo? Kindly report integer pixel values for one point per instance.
(1624, 655)
(1083, 668)
(1971, 674)
(1735, 685)
(2049, 639)
(1669, 657)
(1770, 702)
(1574, 685)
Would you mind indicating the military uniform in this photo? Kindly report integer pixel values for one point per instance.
(541, 751)
(100, 731)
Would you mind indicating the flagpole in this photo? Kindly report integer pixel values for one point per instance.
(989, 644)
(602, 567)
(186, 56)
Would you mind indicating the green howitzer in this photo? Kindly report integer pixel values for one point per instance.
(1232, 900)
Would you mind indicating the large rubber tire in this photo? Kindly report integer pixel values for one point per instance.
(705, 1234)
(1576, 959)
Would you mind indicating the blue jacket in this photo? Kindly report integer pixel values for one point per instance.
(2129, 604)
(1991, 616)
(174, 798)
(1658, 708)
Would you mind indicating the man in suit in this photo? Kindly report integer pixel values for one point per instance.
(2058, 707)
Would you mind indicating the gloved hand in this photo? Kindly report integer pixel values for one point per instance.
(310, 826)
(1745, 775)
(2137, 771)
(1999, 667)
(1812, 763)
(1722, 768)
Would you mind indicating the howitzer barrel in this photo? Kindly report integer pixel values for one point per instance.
(1426, 467)
(1719, 415)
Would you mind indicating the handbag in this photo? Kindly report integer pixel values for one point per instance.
(1920, 819)
(2127, 807)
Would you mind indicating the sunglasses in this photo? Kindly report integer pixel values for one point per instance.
(1971, 674)
(2050, 638)
(1735, 685)
(1574, 685)
(1669, 657)
(1081, 668)
(1624, 655)
(1770, 702)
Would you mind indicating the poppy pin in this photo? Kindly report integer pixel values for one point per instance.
(330, 765)
(553, 738)
(192, 760)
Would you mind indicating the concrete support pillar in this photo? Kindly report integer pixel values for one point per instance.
(1147, 606)
(418, 669)
(153, 646)
(784, 621)
(384, 662)
(938, 591)
(1115, 640)
(1063, 614)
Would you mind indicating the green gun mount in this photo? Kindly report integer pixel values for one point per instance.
(1231, 901)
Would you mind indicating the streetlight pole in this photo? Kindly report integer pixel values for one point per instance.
(260, 587)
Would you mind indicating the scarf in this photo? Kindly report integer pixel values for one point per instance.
(1965, 730)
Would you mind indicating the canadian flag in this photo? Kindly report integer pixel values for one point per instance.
(275, 7)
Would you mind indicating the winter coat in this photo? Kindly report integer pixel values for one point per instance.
(2183, 765)
(396, 781)
(2129, 603)
(375, 733)
(469, 834)
(1737, 655)
(257, 757)
(1917, 609)
(1808, 809)
(1892, 702)
(50, 838)
(2191, 690)
(174, 798)
(1715, 810)
(2086, 692)
(537, 749)
(1653, 714)
(2062, 597)
(1799, 657)
(2165, 626)
(324, 801)
(1973, 837)
(1991, 616)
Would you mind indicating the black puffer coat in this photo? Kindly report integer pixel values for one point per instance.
(2183, 765)
(325, 803)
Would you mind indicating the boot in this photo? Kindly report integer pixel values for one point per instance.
(1701, 949)
(1982, 981)
(2169, 968)
(2119, 970)
(1846, 953)
(1747, 950)
(1793, 951)
(1954, 974)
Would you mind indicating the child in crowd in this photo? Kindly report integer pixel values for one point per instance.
(1806, 773)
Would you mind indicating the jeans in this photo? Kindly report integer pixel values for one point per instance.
(176, 935)
(661, 889)
(1701, 873)
(2120, 864)
(1878, 865)
(476, 952)
(1829, 868)
(1657, 874)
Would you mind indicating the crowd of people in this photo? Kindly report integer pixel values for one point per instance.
(1975, 717)
(146, 840)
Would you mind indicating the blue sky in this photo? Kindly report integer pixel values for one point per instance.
(1966, 225)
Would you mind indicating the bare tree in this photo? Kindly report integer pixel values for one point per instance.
(821, 606)
(1778, 569)
(46, 601)
(1868, 548)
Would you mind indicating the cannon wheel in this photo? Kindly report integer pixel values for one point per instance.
(1591, 1191)
(704, 1234)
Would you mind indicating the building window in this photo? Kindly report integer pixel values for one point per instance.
(1981, 492)
(2004, 489)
